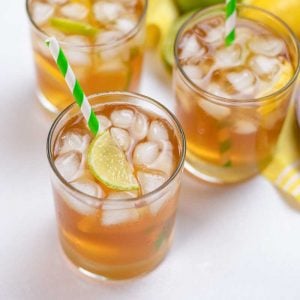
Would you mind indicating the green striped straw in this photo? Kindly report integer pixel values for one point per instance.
(230, 23)
(224, 133)
(73, 84)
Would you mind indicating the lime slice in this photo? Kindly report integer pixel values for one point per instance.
(108, 164)
(73, 27)
(284, 77)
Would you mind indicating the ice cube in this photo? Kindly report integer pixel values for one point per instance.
(112, 65)
(216, 111)
(212, 30)
(242, 81)
(74, 11)
(41, 12)
(229, 56)
(77, 40)
(105, 123)
(122, 118)
(244, 127)
(106, 37)
(125, 25)
(139, 128)
(150, 181)
(265, 67)
(88, 187)
(73, 141)
(194, 72)
(121, 137)
(119, 214)
(59, 2)
(214, 34)
(79, 57)
(69, 165)
(191, 49)
(122, 195)
(242, 35)
(266, 45)
(146, 153)
(157, 131)
(83, 207)
(115, 53)
(129, 3)
(54, 32)
(119, 54)
(106, 12)
(165, 160)
(217, 90)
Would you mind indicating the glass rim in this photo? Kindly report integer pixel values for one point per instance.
(104, 46)
(224, 100)
(138, 96)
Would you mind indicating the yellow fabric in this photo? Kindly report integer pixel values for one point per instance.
(284, 170)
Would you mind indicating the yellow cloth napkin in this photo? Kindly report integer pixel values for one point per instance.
(284, 170)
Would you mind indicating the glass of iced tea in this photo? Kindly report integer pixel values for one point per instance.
(103, 40)
(105, 231)
(232, 100)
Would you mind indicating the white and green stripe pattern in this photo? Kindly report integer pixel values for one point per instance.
(73, 84)
(230, 23)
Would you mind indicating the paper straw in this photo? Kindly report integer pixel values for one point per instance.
(73, 84)
(230, 23)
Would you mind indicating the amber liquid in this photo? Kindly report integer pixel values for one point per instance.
(117, 251)
(208, 138)
(122, 250)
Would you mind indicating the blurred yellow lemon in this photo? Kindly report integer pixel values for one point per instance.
(287, 10)
(160, 16)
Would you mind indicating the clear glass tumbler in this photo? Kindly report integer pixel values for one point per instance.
(229, 139)
(102, 60)
(116, 238)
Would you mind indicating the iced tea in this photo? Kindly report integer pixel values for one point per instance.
(232, 100)
(103, 40)
(104, 231)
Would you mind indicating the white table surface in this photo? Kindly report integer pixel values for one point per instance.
(237, 242)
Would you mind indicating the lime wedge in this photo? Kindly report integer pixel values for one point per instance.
(108, 164)
(73, 27)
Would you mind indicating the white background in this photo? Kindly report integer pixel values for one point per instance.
(237, 242)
